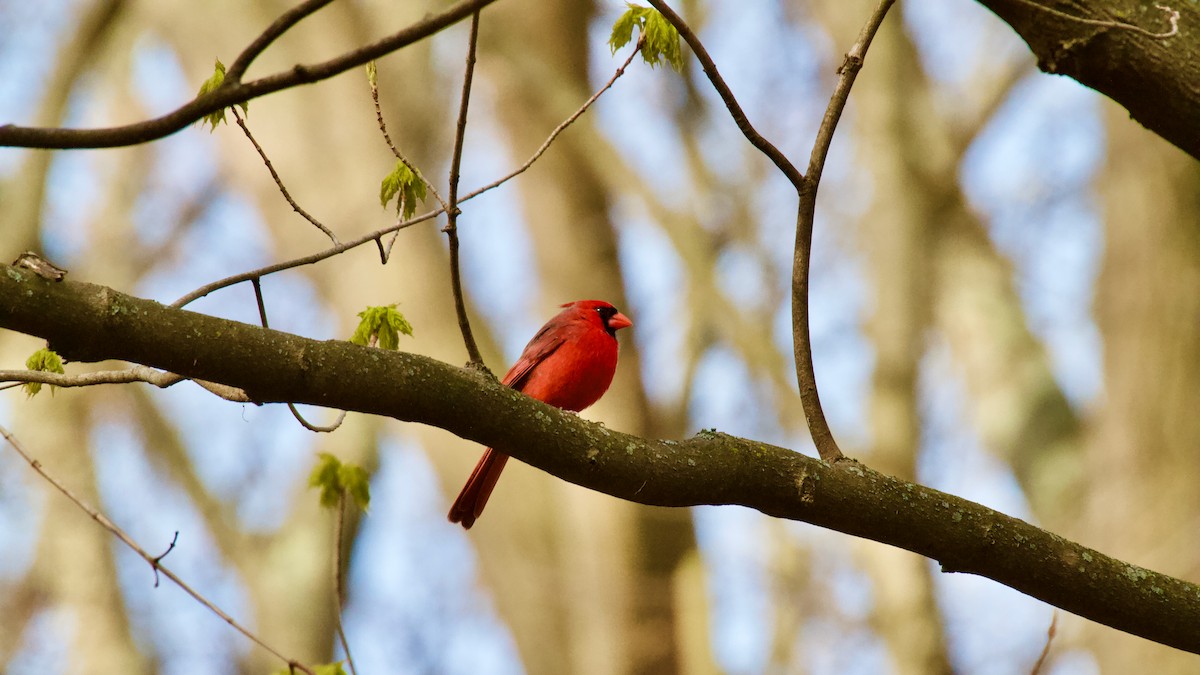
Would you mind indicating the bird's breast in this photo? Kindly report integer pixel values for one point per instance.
(576, 375)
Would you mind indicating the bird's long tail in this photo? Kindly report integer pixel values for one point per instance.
(475, 493)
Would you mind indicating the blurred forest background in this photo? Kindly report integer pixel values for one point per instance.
(1004, 307)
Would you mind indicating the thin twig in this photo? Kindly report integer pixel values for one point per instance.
(262, 317)
(451, 228)
(158, 558)
(559, 129)
(735, 109)
(256, 283)
(806, 376)
(136, 373)
(837, 102)
(339, 592)
(377, 235)
(279, 181)
(128, 541)
(1050, 633)
(278, 27)
(806, 187)
(314, 427)
(301, 261)
(387, 137)
(233, 92)
(386, 252)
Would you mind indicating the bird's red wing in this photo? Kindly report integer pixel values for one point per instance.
(542, 345)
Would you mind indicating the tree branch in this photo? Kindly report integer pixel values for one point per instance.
(155, 561)
(806, 374)
(277, 28)
(158, 378)
(233, 91)
(806, 188)
(1149, 62)
(87, 322)
(451, 228)
(735, 109)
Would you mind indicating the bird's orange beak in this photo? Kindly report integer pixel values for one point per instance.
(618, 321)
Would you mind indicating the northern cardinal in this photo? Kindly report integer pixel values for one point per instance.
(568, 364)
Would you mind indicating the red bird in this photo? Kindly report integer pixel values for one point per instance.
(569, 364)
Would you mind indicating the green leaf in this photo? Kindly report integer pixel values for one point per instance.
(43, 360)
(210, 85)
(356, 483)
(372, 74)
(660, 41)
(403, 182)
(335, 479)
(386, 323)
(326, 475)
(622, 32)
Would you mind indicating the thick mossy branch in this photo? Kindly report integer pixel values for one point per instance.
(84, 322)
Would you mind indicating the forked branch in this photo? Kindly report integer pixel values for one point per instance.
(806, 188)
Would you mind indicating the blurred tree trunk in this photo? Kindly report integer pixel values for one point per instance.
(1143, 457)
(1014, 402)
(896, 131)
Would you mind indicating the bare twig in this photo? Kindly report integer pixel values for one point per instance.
(387, 137)
(837, 102)
(559, 129)
(136, 373)
(802, 254)
(262, 317)
(451, 228)
(1050, 633)
(304, 260)
(378, 234)
(339, 591)
(386, 252)
(278, 181)
(806, 188)
(1172, 18)
(232, 91)
(735, 109)
(153, 561)
(314, 427)
(158, 558)
(278, 27)
(256, 283)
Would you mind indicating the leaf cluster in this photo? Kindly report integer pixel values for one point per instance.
(404, 182)
(385, 324)
(336, 480)
(659, 39)
(43, 360)
(210, 85)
